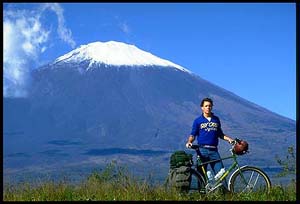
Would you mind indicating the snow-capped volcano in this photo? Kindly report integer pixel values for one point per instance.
(115, 53)
(72, 117)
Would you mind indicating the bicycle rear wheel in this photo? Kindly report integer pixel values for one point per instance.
(249, 179)
(197, 184)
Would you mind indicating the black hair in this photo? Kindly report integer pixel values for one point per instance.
(207, 100)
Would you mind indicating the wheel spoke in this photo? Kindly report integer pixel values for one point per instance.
(250, 180)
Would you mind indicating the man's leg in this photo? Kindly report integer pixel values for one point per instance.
(203, 168)
(217, 166)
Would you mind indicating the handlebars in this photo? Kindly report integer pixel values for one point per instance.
(193, 146)
(196, 147)
(236, 140)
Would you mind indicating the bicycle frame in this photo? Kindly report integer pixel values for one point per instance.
(234, 165)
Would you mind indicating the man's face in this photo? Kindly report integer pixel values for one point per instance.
(207, 107)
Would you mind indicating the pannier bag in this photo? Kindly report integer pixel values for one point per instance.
(183, 178)
(180, 170)
(180, 158)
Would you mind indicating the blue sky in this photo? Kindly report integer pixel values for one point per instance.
(246, 48)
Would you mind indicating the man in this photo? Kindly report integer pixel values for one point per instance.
(207, 129)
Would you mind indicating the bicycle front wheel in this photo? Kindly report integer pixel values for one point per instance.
(249, 179)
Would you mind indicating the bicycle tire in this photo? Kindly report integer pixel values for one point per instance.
(197, 183)
(256, 180)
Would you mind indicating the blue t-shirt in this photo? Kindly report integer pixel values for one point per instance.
(207, 132)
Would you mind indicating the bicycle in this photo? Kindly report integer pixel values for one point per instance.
(243, 179)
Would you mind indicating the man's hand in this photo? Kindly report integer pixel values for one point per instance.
(189, 142)
(188, 145)
(229, 139)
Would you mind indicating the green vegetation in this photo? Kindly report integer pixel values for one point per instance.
(289, 163)
(116, 183)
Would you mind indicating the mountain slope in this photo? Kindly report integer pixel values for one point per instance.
(80, 113)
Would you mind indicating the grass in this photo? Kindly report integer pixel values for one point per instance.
(116, 183)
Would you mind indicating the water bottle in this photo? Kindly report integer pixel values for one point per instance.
(209, 176)
(220, 173)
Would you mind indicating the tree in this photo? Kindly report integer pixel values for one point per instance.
(288, 164)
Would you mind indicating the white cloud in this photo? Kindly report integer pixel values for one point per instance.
(24, 39)
(64, 33)
(124, 27)
(14, 60)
